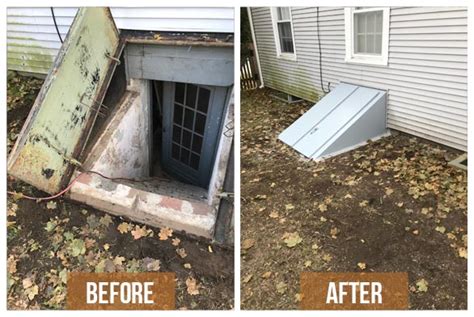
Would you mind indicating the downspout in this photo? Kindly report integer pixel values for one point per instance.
(249, 13)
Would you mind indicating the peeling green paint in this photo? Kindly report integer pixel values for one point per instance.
(55, 127)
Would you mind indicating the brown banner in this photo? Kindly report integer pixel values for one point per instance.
(355, 291)
(121, 291)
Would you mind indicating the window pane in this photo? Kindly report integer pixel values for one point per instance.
(283, 13)
(360, 22)
(286, 39)
(378, 21)
(368, 32)
(203, 99)
(188, 119)
(185, 156)
(197, 143)
(370, 43)
(186, 139)
(370, 22)
(360, 44)
(179, 93)
(378, 43)
(200, 123)
(191, 92)
(178, 114)
(176, 134)
(194, 161)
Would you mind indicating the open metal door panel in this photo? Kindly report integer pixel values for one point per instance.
(62, 116)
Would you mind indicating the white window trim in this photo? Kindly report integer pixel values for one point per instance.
(280, 54)
(351, 57)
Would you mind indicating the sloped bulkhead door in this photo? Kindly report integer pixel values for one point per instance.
(65, 110)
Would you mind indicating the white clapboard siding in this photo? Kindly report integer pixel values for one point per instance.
(426, 76)
(33, 42)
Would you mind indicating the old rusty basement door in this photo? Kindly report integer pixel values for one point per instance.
(67, 106)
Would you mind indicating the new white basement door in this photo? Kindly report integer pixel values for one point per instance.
(346, 117)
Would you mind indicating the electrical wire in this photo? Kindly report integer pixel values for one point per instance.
(56, 25)
(320, 54)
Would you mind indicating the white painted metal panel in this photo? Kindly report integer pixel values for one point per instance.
(426, 72)
(346, 117)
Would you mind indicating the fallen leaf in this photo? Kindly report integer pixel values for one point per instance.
(124, 227)
(292, 239)
(209, 248)
(119, 260)
(106, 220)
(165, 233)
(32, 292)
(289, 207)
(248, 243)
(326, 257)
(192, 286)
(187, 265)
(322, 207)
(361, 265)
(151, 264)
(139, 232)
(181, 252)
(462, 252)
(106, 247)
(12, 209)
(440, 229)
(308, 263)
(11, 264)
(266, 274)
(175, 242)
(281, 287)
(77, 247)
(247, 278)
(51, 205)
(388, 191)
(334, 232)
(363, 203)
(273, 214)
(422, 286)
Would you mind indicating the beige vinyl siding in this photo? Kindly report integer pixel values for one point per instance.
(32, 41)
(426, 76)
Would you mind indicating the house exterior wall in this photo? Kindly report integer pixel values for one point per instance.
(426, 75)
(33, 42)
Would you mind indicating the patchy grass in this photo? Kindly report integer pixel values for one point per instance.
(47, 240)
(392, 205)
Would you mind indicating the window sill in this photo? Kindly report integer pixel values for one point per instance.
(378, 61)
(287, 56)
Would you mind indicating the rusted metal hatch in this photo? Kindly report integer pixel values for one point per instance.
(67, 106)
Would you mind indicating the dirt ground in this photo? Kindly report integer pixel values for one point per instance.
(47, 240)
(392, 205)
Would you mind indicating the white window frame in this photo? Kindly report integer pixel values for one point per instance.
(371, 59)
(280, 54)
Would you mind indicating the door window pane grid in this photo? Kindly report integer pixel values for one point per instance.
(189, 117)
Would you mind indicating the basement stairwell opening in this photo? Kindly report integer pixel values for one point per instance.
(133, 124)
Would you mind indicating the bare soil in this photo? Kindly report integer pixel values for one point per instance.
(40, 241)
(393, 205)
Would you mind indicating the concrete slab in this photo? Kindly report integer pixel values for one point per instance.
(191, 216)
